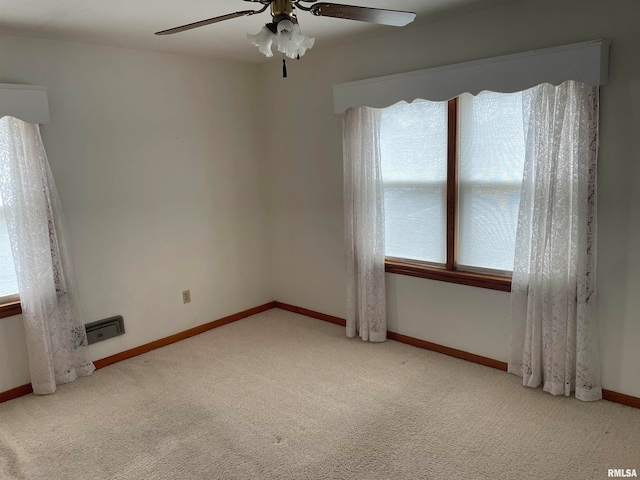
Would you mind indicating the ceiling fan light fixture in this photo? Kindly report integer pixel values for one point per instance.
(284, 30)
(291, 41)
(288, 39)
(263, 40)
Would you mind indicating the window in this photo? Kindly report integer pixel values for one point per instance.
(452, 173)
(8, 280)
(413, 150)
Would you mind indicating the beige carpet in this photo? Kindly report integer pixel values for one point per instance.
(282, 396)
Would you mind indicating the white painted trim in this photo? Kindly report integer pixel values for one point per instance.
(29, 103)
(586, 62)
(9, 298)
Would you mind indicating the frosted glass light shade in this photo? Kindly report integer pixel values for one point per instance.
(263, 40)
(288, 39)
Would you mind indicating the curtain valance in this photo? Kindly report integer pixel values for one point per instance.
(29, 103)
(586, 62)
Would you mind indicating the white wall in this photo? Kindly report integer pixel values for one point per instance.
(306, 175)
(157, 165)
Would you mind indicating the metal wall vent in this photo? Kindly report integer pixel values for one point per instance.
(104, 329)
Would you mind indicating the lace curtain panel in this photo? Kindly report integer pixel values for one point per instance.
(364, 225)
(554, 341)
(56, 338)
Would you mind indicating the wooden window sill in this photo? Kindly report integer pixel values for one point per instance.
(10, 309)
(481, 280)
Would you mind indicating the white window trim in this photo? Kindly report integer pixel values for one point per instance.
(29, 103)
(9, 299)
(586, 62)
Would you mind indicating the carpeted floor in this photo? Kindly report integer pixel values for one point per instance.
(282, 396)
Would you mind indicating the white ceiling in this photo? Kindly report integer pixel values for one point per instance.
(132, 23)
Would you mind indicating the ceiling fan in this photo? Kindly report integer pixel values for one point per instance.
(284, 30)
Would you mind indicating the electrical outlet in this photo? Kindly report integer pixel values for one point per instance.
(186, 296)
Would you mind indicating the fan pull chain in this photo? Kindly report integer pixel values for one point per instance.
(284, 68)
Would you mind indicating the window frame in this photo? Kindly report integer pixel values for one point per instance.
(10, 305)
(10, 309)
(449, 272)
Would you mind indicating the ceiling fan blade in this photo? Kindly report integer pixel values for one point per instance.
(395, 18)
(202, 23)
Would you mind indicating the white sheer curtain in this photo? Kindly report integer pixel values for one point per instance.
(554, 339)
(364, 225)
(56, 337)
